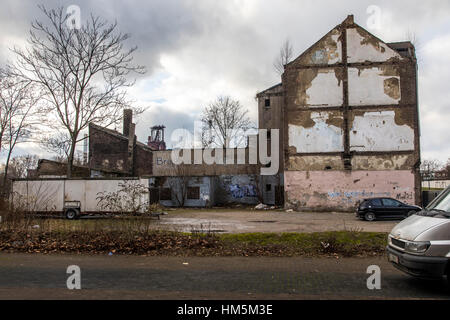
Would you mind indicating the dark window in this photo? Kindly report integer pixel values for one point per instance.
(391, 203)
(269, 131)
(166, 194)
(268, 187)
(267, 103)
(376, 203)
(193, 193)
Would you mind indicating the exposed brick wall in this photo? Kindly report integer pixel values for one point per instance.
(107, 151)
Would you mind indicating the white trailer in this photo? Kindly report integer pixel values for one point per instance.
(76, 197)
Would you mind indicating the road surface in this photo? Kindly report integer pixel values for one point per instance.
(36, 276)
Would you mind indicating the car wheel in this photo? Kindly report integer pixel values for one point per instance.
(71, 214)
(369, 216)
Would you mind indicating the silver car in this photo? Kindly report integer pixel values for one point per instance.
(420, 244)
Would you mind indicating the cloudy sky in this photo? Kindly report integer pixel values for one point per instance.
(195, 50)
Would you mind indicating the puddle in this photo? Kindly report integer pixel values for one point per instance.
(209, 231)
(194, 225)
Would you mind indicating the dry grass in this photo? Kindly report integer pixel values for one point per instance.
(21, 232)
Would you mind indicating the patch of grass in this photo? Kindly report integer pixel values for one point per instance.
(291, 238)
(347, 243)
(432, 189)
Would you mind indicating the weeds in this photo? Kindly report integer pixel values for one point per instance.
(20, 232)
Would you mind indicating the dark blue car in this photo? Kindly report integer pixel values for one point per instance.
(384, 208)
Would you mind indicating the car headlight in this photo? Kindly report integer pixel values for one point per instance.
(417, 247)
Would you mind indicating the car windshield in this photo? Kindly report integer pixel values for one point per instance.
(439, 207)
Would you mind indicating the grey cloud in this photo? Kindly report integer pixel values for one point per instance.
(237, 41)
(163, 115)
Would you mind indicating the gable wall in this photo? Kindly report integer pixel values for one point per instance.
(350, 106)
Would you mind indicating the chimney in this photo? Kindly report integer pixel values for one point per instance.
(85, 150)
(127, 120)
(131, 141)
(349, 20)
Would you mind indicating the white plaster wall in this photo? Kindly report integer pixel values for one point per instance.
(377, 131)
(322, 137)
(366, 87)
(325, 90)
(327, 56)
(358, 51)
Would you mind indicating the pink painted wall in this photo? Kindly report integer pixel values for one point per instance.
(340, 190)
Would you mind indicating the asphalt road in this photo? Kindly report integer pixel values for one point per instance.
(34, 276)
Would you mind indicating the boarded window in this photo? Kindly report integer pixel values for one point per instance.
(166, 194)
(193, 193)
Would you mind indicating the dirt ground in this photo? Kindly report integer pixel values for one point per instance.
(247, 220)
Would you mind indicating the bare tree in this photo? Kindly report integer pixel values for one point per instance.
(20, 165)
(58, 143)
(179, 183)
(284, 57)
(412, 37)
(429, 167)
(224, 121)
(19, 113)
(447, 169)
(83, 72)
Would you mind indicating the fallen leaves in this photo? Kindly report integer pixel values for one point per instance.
(167, 243)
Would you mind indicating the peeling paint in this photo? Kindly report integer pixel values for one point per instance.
(378, 131)
(317, 96)
(350, 128)
(383, 162)
(362, 47)
(392, 87)
(326, 51)
(374, 86)
(321, 137)
(315, 163)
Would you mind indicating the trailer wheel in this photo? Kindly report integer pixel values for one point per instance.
(72, 214)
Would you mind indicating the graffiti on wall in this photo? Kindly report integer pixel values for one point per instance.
(241, 191)
(354, 196)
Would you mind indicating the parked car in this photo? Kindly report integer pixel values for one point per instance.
(376, 208)
(420, 244)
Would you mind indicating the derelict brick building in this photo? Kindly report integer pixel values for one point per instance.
(347, 112)
(349, 115)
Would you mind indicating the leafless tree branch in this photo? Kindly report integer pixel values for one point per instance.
(83, 73)
(284, 57)
(224, 122)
